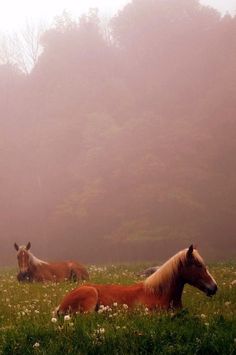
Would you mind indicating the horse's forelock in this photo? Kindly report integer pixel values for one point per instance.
(22, 248)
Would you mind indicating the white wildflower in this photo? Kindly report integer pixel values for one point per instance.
(36, 345)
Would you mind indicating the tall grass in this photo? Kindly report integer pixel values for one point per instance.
(204, 326)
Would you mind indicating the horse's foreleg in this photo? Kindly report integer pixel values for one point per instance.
(73, 275)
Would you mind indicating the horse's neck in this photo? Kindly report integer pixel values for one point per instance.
(172, 290)
(175, 293)
(167, 283)
(35, 262)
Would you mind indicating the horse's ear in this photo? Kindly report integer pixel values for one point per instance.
(190, 251)
(16, 246)
(28, 246)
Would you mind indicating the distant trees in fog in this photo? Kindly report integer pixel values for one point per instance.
(122, 135)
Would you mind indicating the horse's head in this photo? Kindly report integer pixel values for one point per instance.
(195, 273)
(23, 259)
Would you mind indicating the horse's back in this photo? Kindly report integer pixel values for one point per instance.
(113, 293)
(60, 271)
(68, 270)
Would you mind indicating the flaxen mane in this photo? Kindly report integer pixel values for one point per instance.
(159, 281)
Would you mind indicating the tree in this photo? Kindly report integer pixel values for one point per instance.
(22, 48)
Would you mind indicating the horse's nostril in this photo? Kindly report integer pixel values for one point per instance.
(212, 290)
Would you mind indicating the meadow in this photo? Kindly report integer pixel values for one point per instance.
(204, 326)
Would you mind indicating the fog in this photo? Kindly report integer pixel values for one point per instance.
(34, 11)
(117, 138)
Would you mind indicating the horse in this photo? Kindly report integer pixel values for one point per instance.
(34, 269)
(147, 272)
(162, 290)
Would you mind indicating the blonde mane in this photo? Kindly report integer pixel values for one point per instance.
(36, 261)
(161, 280)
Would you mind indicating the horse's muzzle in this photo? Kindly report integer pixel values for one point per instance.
(23, 276)
(211, 291)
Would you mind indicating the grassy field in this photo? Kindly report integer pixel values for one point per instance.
(204, 326)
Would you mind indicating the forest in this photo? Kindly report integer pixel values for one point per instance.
(119, 143)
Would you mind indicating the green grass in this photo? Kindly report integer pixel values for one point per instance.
(204, 326)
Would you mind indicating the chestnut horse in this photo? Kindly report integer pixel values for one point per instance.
(162, 290)
(34, 269)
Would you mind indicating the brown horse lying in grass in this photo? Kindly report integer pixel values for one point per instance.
(34, 269)
(163, 289)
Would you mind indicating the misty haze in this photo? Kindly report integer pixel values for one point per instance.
(118, 137)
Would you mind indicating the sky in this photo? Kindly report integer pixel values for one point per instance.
(15, 13)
